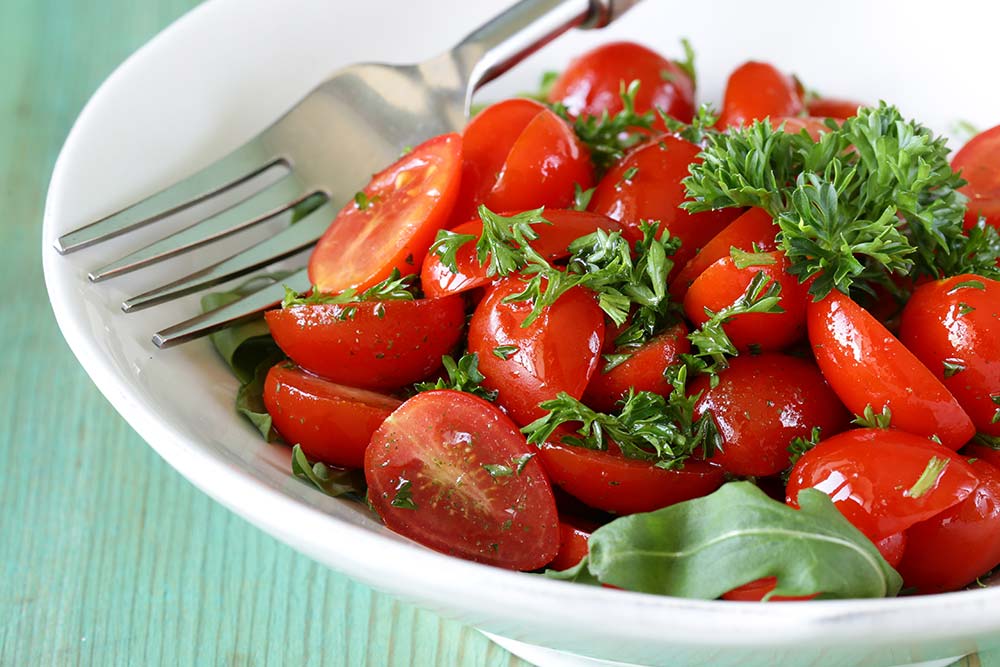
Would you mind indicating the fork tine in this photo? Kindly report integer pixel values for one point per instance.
(248, 162)
(259, 208)
(230, 314)
(287, 242)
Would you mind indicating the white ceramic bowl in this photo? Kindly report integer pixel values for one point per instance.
(221, 73)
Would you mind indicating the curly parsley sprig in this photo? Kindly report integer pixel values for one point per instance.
(648, 426)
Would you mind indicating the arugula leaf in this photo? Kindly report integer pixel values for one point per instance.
(708, 546)
(331, 481)
(648, 426)
(463, 375)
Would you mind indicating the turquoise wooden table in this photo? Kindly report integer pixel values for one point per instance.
(109, 557)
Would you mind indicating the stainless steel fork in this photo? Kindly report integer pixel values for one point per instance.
(323, 149)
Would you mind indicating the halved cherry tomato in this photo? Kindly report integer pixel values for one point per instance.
(558, 352)
(552, 242)
(953, 327)
(866, 365)
(613, 483)
(572, 546)
(833, 107)
(753, 229)
(646, 185)
(520, 155)
(951, 549)
(642, 371)
(872, 477)
(592, 83)
(332, 423)
(723, 283)
(761, 404)
(757, 90)
(372, 345)
(406, 204)
(429, 475)
(979, 162)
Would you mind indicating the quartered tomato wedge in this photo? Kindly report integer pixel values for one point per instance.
(372, 345)
(395, 222)
(613, 483)
(333, 423)
(552, 242)
(979, 162)
(757, 90)
(884, 481)
(558, 352)
(452, 472)
(867, 366)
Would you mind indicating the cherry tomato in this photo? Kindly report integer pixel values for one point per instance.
(878, 479)
(372, 345)
(952, 548)
(519, 155)
(753, 229)
(332, 423)
(613, 483)
(757, 90)
(952, 326)
(428, 472)
(833, 107)
(761, 404)
(646, 185)
(558, 352)
(866, 365)
(405, 206)
(723, 283)
(642, 371)
(552, 242)
(592, 83)
(572, 546)
(979, 162)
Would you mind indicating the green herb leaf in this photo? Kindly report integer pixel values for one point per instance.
(928, 478)
(463, 375)
(869, 419)
(331, 481)
(705, 547)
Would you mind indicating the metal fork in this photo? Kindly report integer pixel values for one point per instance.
(324, 148)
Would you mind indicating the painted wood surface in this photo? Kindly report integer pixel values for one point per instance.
(108, 556)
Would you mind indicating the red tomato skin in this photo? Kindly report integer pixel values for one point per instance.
(410, 200)
(642, 371)
(723, 283)
(833, 107)
(592, 83)
(761, 404)
(573, 547)
(613, 483)
(487, 141)
(866, 365)
(752, 228)
(755, 91)
(558, 352)
(331, 422)
(961, 325)
(868, 474)
(370, 351)
(655, 192)
(951, 549)
(978, 161)
(438, 441)
(552, 242)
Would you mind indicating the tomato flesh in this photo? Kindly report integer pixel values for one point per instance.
(406, 204)
(332, 423)
(979, 162)
(870, 473)
(867, 366)
(371, 345)
(427, 480)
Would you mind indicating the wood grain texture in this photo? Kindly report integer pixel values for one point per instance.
(109, 557)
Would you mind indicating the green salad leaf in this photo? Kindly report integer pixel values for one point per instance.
(708, 546)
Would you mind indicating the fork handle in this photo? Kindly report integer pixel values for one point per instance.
(529, 25)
